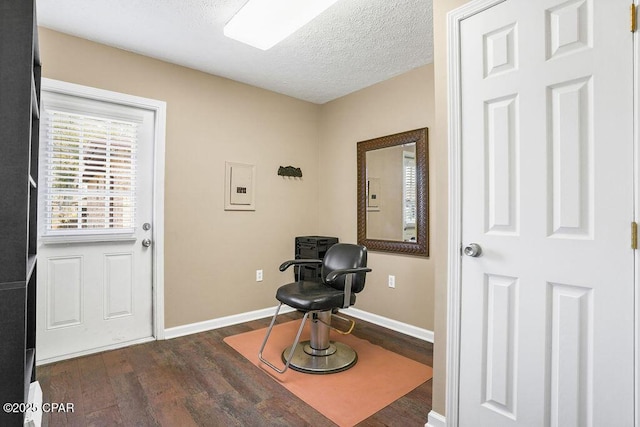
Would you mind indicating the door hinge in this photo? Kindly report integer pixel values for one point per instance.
(634, 235)
(634, 22)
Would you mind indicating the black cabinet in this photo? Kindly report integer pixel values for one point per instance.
(19, 113)
(312, 247)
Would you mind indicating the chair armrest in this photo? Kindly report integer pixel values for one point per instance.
(336, 273)
(288, 264)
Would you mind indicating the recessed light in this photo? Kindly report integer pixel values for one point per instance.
(264, 23)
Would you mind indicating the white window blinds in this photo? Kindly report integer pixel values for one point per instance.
(410, 185)
(90, 174)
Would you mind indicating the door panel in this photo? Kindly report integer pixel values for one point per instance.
(64, 291)
(547, 192)
(118, 285)
(502, 166)
(571, 355)
(500, 312)
(570, 152)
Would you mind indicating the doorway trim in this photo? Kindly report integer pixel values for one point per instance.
(159, 108)
(636, 212)
(454, 262)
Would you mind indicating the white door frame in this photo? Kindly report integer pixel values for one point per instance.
(454, 263)
(454, 283)
(636, 210)
(159, 108)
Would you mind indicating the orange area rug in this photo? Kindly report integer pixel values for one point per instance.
(346, 398)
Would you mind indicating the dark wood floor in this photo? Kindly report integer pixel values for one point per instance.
(198, 380)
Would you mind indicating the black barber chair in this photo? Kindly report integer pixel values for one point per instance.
(344, 268)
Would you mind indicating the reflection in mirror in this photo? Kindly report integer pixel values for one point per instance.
(391, 193)
(392, 196)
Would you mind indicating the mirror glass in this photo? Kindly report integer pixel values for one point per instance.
(392, 195)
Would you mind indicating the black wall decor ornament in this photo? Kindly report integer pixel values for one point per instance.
(290, 171)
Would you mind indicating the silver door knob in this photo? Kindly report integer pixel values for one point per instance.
(146, 243)
(473, 250)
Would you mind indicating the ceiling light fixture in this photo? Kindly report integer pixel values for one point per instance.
(264, 23)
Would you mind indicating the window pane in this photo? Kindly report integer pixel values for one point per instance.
(91, 171)
(410, 202)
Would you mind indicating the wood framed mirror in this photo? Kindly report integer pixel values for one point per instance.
(393, 193)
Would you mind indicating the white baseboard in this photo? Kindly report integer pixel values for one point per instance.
(405, 328)
(221, 322)
(436, 420)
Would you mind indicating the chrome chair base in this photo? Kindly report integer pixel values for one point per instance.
(338, 357)
(318, 355)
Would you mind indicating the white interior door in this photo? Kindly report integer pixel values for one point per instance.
(547, 309)
(96, 195)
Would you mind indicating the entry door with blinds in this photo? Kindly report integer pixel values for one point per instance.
(95, 206)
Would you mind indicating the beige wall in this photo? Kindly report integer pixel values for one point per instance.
(400, 104)
(211, 255)
(439, 149)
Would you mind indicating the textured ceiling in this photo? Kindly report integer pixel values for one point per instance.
(352, 45)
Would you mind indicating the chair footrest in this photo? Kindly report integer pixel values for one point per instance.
(351, 322)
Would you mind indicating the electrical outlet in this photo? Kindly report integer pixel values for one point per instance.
(258, 275)
(392, 281)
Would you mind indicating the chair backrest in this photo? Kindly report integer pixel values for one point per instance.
(345, 255)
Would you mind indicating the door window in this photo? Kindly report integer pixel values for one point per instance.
(90, 167)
